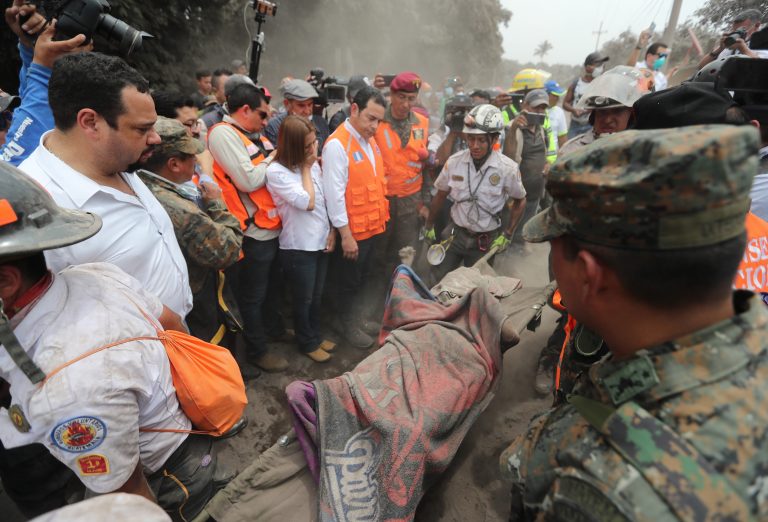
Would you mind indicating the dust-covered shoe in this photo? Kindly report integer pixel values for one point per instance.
(319, 355)
(371, 328)
(357, 338)
(270, 362)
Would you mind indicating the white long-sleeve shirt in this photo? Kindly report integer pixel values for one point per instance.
(336, 174)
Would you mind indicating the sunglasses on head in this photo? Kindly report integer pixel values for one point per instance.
(663, 55)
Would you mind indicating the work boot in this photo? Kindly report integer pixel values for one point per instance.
(235, 429)
(357, 338)
(270, 362)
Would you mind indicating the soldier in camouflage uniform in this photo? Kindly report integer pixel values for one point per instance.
(647, 231)
(209, 236)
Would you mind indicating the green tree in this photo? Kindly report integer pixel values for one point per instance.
(717, 12)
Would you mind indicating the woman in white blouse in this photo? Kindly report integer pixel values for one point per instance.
(294, 181)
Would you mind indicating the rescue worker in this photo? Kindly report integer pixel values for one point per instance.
(355, 192)
(209, 236)
(88, 408)
(609, 99)
(240, 170)
(480, 181)
(526, 144)
(402, 140)
(671, 425)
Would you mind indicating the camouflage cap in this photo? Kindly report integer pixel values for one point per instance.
(175, 137)
(653, 189)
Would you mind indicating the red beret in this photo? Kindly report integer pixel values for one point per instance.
(406, 82)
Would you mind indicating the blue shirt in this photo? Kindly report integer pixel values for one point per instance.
(33, 117)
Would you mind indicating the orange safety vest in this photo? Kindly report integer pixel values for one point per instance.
(402, 165)
(753, 270)
(266, 215)
(367, 205)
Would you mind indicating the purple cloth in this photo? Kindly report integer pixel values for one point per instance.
(302, 399)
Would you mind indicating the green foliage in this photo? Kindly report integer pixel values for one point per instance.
(715, 13)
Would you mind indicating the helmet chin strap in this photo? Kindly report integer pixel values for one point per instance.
(16, 351)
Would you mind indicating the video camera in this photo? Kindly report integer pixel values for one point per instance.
(331, 89)
(456, 108)
(91, 17)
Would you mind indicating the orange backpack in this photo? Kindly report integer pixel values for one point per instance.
(208, 383)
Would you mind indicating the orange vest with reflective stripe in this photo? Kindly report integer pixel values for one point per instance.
(266, 215)
(402, 165)
(753, 270)
(367, 205)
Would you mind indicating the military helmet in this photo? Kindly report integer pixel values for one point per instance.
(529, 79)
(483, 119)
(30, 221)
(622, 86)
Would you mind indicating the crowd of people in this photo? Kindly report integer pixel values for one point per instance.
(206, 213)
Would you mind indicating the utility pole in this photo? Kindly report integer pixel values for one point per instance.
(598, 33)
(669, 32)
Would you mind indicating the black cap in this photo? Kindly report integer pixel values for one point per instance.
(595, 58)
(691, 103)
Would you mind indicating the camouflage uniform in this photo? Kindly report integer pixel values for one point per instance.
(210, 239)
(677, 431)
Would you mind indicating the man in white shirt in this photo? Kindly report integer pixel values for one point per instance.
(736, 40)
(655, 59)
(555, 113)
(355, 194)
(104, 119)
(88, 407)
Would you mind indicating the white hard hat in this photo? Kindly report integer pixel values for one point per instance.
(483, 119)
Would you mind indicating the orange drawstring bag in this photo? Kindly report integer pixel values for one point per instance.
(208, 383)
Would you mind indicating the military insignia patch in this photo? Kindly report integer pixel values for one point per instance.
(418, 134)
(93, 465)
(18, 419)
(494, 179)
(79, 434)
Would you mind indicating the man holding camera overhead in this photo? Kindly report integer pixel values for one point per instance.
(737, 39)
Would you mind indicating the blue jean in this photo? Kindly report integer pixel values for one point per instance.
(305, 272)
(258, 284)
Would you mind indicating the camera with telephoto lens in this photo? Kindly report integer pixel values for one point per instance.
(330, 89)
(91, 17)
(731, 38)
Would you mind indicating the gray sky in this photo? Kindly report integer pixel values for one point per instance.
(569, 24)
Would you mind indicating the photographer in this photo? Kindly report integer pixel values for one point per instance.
(737, 39)
(33, 117)
(526, 144)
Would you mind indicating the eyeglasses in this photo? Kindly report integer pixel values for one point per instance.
(663, 55)
(5, 120)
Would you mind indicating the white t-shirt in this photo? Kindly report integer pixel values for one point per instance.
(137, 235)
(659, 78)
(557, 121)
(88, 415)
(302, 229)
(498, 180)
